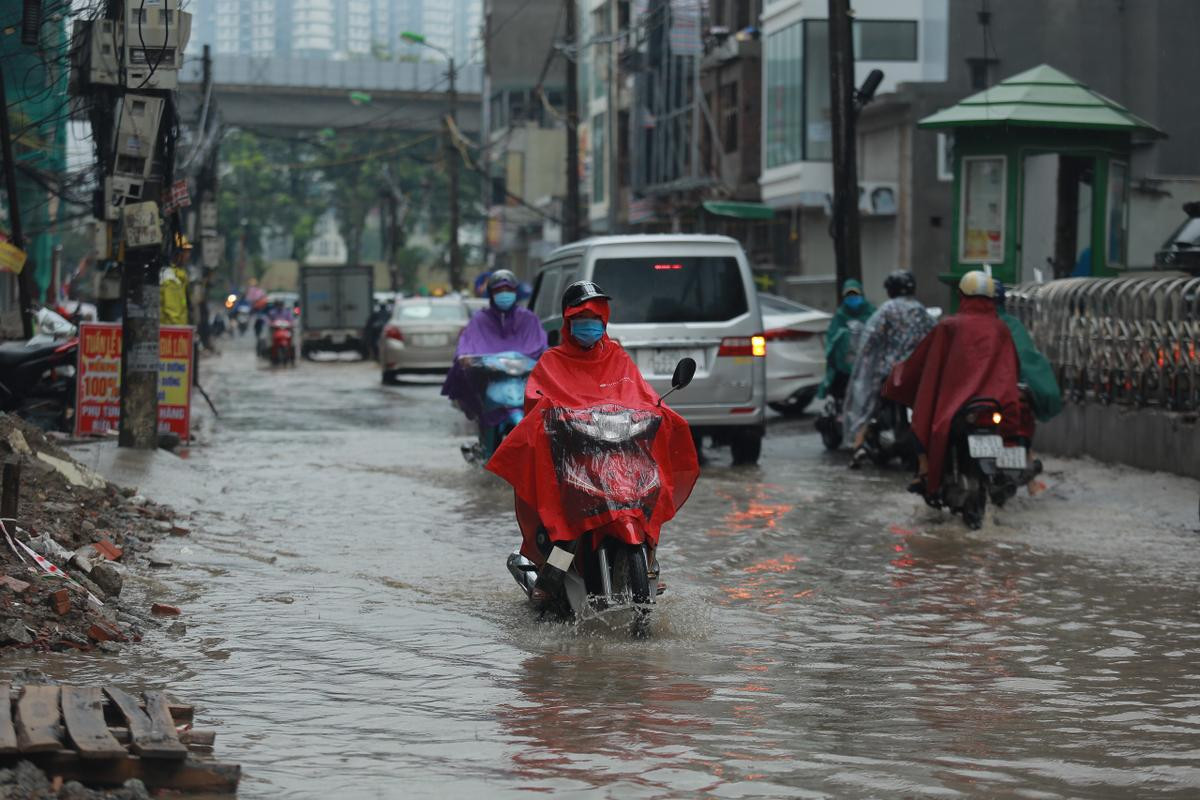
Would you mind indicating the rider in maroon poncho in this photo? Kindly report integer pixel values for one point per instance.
(588, 369)
(970, 354)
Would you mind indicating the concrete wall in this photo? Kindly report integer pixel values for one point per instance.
(1145, 438)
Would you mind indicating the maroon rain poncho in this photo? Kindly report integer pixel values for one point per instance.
(968, 355)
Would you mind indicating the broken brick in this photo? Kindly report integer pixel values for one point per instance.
(107, 549)
(178, 530)
(103, 632)
(15, 584)
(60, 601)
(164, 610)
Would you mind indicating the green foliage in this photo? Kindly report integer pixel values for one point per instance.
(283, 187)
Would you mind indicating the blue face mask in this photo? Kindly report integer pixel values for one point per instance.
(587, 331)
(504, 300)
(853, 301)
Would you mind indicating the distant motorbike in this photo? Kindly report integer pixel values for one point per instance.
(499, 380)
(982, 463)
(37, 377)
(602, 459)
(889, 435)
(829, 423)
(277, 344)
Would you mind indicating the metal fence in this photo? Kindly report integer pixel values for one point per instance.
(1132, 341)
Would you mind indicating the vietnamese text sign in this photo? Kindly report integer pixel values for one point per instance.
(98, 379)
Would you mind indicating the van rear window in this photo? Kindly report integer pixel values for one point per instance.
(681, 289)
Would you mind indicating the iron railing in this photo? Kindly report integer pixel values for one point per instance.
(1132, 341)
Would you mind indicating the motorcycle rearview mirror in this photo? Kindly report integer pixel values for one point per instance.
(685, 370)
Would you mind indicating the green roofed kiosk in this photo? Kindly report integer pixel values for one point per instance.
(1041, 178)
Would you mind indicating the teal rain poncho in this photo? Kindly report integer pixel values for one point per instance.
(1036, 371)
(841, 337)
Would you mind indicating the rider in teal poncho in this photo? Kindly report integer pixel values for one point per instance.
(1036, 370)
(840, 342)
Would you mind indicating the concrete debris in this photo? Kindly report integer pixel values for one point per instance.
(109, 578)
(14, 631)
(76, 474)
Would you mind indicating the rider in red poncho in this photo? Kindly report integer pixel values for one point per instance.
(588, 370)
(970, 354)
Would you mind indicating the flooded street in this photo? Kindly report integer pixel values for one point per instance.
(352, 630)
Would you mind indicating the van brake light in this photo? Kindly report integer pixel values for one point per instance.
(743, 346)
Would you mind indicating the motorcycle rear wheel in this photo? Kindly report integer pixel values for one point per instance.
(831, 433)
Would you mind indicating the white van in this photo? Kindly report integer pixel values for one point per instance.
(675, 296)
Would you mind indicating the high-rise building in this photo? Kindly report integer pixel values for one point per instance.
(336, 29)
(455, 26)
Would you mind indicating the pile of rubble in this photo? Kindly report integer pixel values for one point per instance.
(63, 560)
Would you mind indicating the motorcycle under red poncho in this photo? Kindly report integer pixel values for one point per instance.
(595, 450)
(968, 355)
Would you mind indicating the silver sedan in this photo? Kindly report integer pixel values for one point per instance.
(421, 335)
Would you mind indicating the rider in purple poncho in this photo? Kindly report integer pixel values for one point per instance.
(500, 328)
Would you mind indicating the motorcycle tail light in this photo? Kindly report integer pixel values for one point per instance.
(393, 333)
(996, 418)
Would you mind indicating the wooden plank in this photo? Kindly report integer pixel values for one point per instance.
(153, 736)
(182, 714)
(37, 720)
(84, 717)
(190, 775)
(8, 734)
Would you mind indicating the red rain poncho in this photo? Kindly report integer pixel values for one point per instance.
(968, 355)
(570, 377)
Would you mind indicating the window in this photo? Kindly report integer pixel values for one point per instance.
(546, 293)
(982, 210)
(784, 113)
(729, 117)
(774, 304)
(1118, 213)
(672, 289)
(818, 109)
(945, 157)
(885, 40)
(431, 312)
(598, 161)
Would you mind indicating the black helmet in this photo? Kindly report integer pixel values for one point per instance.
(580, 292)
(900, 283)
(502, 277)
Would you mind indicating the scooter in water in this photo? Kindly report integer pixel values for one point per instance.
(829, 423)
(889, 435)
(281, 350)
(603, 460)
(982, 463)
(499, 381)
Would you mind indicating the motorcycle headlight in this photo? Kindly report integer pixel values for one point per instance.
(612, 426)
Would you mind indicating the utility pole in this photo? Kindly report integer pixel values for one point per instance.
(846, 244)
(24, 279)
(452, 166)
(207, 189)
(571, 228)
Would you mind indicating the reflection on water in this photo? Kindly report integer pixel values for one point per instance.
(351, 630)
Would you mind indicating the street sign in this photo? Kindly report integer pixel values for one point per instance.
(98, 379)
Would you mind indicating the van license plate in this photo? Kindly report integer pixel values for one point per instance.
(663, 362)
(985, 446)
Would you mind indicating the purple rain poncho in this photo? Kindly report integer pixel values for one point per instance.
(492, 331)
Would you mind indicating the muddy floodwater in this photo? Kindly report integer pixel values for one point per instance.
(352, 630)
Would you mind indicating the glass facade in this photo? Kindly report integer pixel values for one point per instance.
(784, 109)
(885, 40)
(797, 105)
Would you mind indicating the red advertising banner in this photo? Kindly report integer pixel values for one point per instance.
(98, 379)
